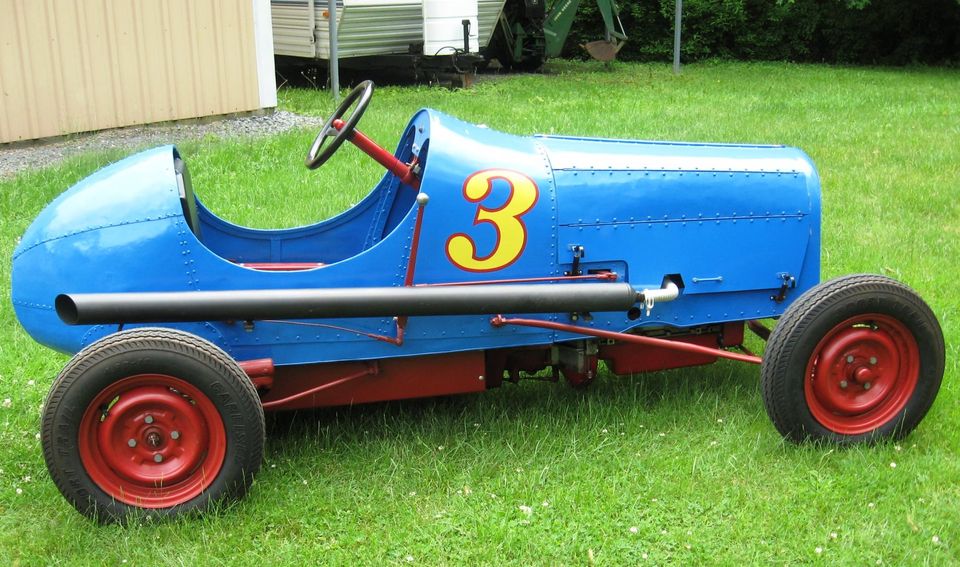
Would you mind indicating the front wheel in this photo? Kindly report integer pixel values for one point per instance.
(854, 359)
(151, 420)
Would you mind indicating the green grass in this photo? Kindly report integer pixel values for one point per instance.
(675, 467)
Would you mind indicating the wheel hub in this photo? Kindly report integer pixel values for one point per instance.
(862, 373)
(154, 439)
(132, 445)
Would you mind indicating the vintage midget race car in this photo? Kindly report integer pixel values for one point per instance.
(479, 257)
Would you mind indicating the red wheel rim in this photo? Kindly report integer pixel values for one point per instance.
(152, 441)
(862, 373)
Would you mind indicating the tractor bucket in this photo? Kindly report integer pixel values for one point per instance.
(603, 50)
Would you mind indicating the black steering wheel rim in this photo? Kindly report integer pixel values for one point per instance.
(318, 153)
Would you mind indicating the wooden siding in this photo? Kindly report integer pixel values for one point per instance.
(78, 65)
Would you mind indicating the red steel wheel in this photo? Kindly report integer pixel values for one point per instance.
(854, 359)
(152, 421)
(862, 373)
(152, 441)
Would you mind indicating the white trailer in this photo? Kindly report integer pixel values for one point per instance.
(385, 33)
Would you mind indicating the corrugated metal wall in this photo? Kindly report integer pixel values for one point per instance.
(77, 65)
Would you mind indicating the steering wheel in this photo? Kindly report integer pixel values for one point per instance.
(318, 154)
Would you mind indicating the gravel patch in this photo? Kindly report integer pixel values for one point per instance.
(14, 159)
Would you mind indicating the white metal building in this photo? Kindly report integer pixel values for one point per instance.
(79, 65)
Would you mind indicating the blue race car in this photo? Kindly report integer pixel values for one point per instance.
(478, 258)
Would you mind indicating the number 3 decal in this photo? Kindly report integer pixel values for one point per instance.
(511, 232)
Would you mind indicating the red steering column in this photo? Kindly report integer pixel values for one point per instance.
(405, 172)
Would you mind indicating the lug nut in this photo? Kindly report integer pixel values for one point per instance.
(174, 435)
(158, 458)
(843, 384)
(873, 360)
(148, 419)
(866, 385)
(849, 361)
(132, 443)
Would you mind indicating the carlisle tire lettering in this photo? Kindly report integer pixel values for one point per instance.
(506, 220)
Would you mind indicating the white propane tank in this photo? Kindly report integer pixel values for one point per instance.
(443, 26)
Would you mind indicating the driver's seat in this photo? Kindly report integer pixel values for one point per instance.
(187, 200)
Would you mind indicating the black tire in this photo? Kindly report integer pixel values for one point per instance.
(856, 359)
(187, 409)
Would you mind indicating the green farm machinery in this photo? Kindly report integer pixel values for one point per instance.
(532, 31)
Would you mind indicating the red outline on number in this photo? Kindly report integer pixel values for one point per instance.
(496, 227)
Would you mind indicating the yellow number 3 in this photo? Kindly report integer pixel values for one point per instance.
(511, 232)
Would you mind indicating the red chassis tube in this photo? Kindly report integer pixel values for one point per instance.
(347, 383)
(632, 358)
(500, 321)
(281, 266)
(603, 276)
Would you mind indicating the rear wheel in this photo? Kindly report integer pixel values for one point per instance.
(854, 359)
(154, 420)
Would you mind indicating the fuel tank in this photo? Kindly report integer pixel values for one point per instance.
(723, 218)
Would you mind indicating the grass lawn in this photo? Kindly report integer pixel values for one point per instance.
(673, 467)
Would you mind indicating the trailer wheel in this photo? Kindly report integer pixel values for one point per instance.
(855, 359)
(151, 421)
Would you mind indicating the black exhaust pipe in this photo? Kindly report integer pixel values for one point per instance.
(252, 305)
